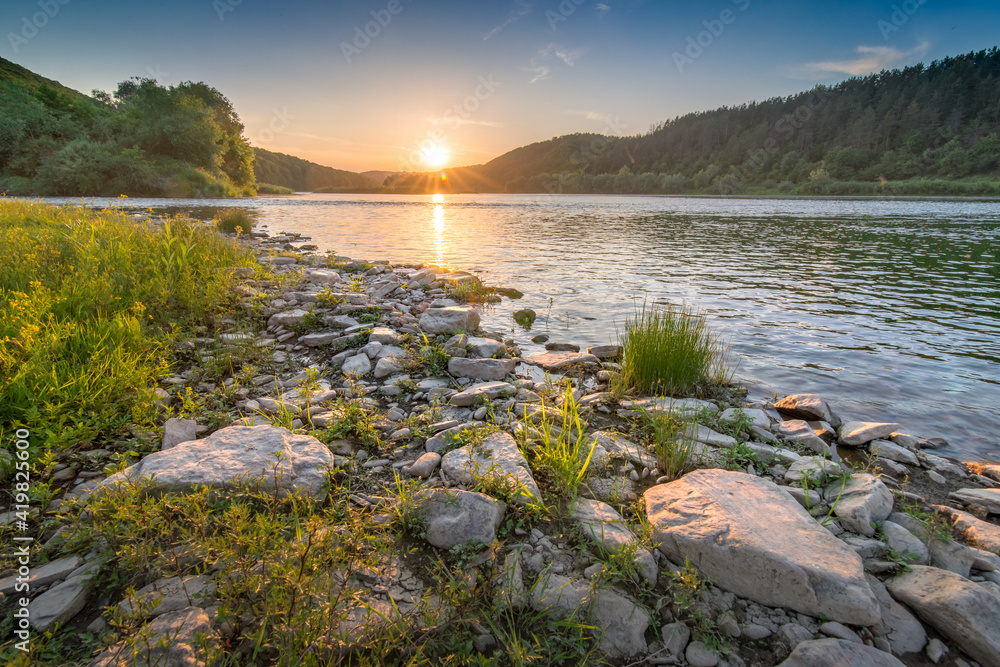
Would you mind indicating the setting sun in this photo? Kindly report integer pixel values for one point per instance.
(435, 155)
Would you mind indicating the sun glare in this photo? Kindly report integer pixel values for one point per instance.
(435, 155)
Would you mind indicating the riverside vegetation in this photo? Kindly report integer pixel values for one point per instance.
(245, 453)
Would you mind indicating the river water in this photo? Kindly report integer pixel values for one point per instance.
(890, 309)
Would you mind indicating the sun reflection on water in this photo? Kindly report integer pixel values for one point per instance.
(439, 244)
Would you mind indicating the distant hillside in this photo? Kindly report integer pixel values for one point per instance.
(920, 130)
(14, 73)
(304, 176)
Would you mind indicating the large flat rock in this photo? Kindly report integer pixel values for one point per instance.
(979, 533)
(988, 498)
(838, 653)
(903, 631)
(172, 640)
(864, 499)
(856, 434)
(959, 609)
(806, 406)
(237, 453)
(553, 361)
(755, 540)
(496, 457)
(455, 517)
(449, 320)
(483, 390)
(480, 369)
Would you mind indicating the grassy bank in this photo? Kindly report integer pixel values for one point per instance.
(89, 304)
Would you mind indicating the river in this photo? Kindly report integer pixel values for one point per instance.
(889, 308)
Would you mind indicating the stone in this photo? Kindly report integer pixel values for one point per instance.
(236, 453)
(553, 361)
(324, 276)
(455, 517)
(901, 628)
(425, 466)
(177, 430)
(619, 446)
(485, 348)
(606, 528)
(978, 532)
(675, 637)
(319, 339)
(43, 575)
(838, 653)
(954, 606)
(448, 436)
(717, 518)
(988, 498)
(621, 622)
(951, 556)
(449, 320)
(793, 634)
(562, 347)
(617, 490)
(498, 456)
(699, 655)
(357, 365)
(526, 317)
(480, 391)
(605, 352)
(172, 640)
(936, 650)
(885, 449)
(173, 594)
(806, 406)
(814, 468)
(863, 499)
(856, 434)
(387, 366)
(481, 369)
(905, 543)
(839, 631)
(799, 432)
(288, 318)
(383, 335)
(558, 594)
(707, 436)
(756, 416)
(63, 601)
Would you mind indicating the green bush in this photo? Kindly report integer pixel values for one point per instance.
(268, 189)
(670, 351)
(89, 304)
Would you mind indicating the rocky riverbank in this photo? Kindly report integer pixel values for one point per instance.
(803, 538)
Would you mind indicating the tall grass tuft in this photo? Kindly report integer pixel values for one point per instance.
(235, 221)
(671, 443)
(563, 455)
(670, 351)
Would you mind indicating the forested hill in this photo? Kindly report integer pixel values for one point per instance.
(925, 129)
(304, 176)
(142, 139)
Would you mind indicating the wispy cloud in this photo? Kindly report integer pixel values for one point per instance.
(870, 59)
(520, 10)
(541, 64)
(602, 8)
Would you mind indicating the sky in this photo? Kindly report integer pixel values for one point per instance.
(412, 85)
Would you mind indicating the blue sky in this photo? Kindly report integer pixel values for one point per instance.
(457, 82)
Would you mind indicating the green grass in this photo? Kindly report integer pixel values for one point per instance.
(674, 451)
(90, 304)
(471, 290)
(670, 352)
(235, 221)
(268, 189)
